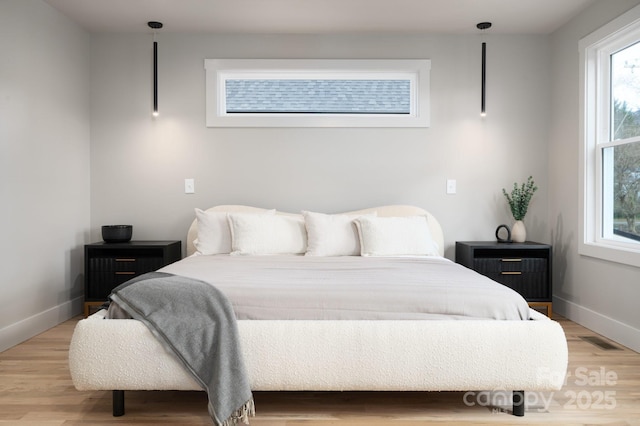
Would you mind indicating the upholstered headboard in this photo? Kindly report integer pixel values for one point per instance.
(383, 211)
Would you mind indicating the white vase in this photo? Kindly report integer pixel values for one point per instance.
(518, 232)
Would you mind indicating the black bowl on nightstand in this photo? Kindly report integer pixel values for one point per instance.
(117, 233)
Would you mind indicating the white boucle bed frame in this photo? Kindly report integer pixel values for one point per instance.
(346, 355)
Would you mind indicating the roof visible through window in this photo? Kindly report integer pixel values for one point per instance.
(318, 96)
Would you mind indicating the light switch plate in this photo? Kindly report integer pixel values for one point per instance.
(189, 186)
(451, 186)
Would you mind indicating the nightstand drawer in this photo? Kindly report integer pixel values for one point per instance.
(527, 276)
(102, 282)
(509, 265)
(105, 273)
(123, 265)
(532, 286)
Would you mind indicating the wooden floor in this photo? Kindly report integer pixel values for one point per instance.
(603, 387)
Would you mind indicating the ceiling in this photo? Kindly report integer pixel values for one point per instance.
(322, 16)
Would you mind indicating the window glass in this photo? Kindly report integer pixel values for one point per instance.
(318, 96)
(625, 92)
(621, 163)
(622, 187)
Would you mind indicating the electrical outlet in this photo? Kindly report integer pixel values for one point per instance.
(189, 186)
(451, 186)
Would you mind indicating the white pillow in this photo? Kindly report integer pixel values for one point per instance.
(395, 236)
(331, 234)
(267, 234)
(214, 236)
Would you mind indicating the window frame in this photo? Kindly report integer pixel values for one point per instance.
(219, 70)
(595, 120)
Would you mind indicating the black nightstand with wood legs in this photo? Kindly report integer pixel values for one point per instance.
(523, 267)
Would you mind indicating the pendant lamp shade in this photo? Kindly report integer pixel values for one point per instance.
(155, 26)
(483, 95)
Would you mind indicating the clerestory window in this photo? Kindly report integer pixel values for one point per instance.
(317, 93)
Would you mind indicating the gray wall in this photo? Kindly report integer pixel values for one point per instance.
(599, 294)
(138, 164)
(44, 167)
(61, 88)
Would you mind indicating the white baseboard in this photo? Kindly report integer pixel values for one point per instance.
(27, 328)
(608, 327)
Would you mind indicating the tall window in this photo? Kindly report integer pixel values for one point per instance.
(317, 93)
(611, 125)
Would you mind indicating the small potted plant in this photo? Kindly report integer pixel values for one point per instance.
(519, 203)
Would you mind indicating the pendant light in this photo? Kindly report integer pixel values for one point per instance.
(155, 26)
(484, 26)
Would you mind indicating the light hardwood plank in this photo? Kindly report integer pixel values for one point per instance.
(36, 389)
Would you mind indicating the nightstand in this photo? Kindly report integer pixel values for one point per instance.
(523, 267)
(107, 265)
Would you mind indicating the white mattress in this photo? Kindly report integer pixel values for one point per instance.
(353, 287)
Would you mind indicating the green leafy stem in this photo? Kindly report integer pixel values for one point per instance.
(519, 198)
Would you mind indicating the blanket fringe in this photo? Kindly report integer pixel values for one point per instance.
(242, 414)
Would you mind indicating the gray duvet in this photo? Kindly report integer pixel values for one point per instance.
(353, 287)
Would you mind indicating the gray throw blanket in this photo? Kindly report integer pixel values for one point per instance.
(196, 322)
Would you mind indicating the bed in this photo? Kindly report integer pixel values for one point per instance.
(374, 352)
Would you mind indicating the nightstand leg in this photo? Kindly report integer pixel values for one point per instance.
(88, 305)
(547, 305)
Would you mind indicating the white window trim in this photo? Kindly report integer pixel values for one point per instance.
(417, 70)
(594, 99)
